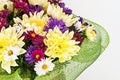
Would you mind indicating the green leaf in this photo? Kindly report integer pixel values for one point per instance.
(89, 52)
(14, 76)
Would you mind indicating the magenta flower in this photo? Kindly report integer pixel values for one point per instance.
(4, 13)
(37, 55)
(2, 22)
(21, 5)
(30, 35)
(37, 40)
(78, 37)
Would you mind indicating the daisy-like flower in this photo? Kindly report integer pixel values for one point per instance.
(10, 55)
(43, 3)
(91, 33)
(79, 26)
(6, 2)
(37, 55)
(60, 45)
(10, 40)
(44, 66)
(35, 22)
(56, 12)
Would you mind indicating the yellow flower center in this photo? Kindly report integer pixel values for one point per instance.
(10, 52)
(33, 35)
(37, 56)
(23, 27)
(93, 33)
(44, 67)
(74, 38)
(82, 26)
(40, 23)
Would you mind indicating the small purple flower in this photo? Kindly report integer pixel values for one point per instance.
(35, 8)
(54, 22)
(65, 9)
(28, 54)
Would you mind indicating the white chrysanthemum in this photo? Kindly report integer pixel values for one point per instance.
(56, 12)
(44, 66)
(43, 3)
(91, 33)
(78, 25)
(6, 2)
(35, 22)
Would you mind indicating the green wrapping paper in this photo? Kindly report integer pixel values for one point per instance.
(70, 70)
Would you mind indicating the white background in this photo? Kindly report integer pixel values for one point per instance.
(107, 14)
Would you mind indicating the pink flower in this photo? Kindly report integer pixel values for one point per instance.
(37, 55)
(2, 22)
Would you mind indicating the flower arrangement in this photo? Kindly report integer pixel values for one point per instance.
(44, 40)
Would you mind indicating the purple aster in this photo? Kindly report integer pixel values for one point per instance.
(33, 8)
(54, 22)
(28, 54)
(2, 22)
(65, 9)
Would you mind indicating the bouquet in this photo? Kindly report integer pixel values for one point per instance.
(44, 40)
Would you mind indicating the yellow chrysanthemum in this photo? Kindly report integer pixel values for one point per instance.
(9, 37)
(90, 33)
(43, 3)
(6, 2)
(60, 45)
(35, 22)
(56, 12)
